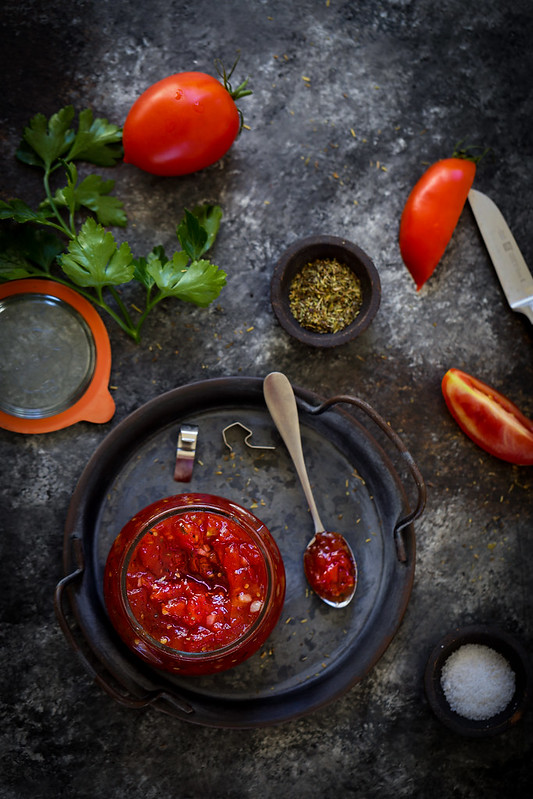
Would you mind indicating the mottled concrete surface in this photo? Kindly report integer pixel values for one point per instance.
(411, 78)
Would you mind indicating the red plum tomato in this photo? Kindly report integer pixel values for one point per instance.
(180, 124)
(431, 214)
(491, 420)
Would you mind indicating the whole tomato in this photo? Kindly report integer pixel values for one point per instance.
(431, 214)
(491, 420)
(182, 123)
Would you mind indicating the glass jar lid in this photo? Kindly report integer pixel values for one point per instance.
(48, 356)
(56, 358)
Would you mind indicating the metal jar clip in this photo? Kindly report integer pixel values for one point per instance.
(185, 453)
(246, 438)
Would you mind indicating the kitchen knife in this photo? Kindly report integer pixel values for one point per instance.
(512, 271)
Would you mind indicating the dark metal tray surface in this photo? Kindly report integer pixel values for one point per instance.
(316, 653)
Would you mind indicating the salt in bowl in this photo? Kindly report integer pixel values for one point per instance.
(498, 642)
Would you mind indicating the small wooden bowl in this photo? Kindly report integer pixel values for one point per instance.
(518, 660)
(312, 249)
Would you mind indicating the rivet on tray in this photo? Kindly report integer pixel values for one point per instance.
(246, 438)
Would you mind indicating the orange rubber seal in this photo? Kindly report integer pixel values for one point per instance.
(96, 404)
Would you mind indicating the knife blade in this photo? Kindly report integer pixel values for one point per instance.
(515, 278)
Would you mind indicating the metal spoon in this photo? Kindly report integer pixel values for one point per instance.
(326, 550)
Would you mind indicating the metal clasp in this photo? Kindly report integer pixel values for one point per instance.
(185, 452)
(246, 438)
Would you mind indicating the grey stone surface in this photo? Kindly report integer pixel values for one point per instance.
(411, 78)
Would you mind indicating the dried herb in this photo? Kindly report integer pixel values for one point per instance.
(325, 296)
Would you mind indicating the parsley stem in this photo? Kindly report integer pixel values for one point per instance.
(69, 231)
(125, 323)
(121, 305)
(149, 305)
(127, 328)
(61, 228)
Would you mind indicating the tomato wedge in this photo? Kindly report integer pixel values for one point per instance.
(431, 214)
(492, 421)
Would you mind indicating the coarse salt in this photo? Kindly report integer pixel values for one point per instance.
(477, 681)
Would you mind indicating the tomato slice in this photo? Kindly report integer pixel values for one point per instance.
(491, 420)
(431, 214)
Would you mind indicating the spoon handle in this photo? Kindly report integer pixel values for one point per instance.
(281, 403)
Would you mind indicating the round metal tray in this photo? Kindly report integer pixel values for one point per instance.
(316, 652)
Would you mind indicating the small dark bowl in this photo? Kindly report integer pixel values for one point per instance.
(312, 249)
(518, 660)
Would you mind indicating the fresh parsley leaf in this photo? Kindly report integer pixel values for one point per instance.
(94, 260)
(42, 247)
(140, 273)
(198, 229)
(21, 212)
(34, 245)
(108, 210)
(93, 193)
(24, 249)
(50, 139)
(97, 141)
(191, 235)
(141, 266)
(209, 217)
(27, 251)
(13, 265)
(27, 155)
(200, 283)
(167, 274)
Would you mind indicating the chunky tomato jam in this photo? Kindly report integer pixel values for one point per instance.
(196, 581)
(330, 568)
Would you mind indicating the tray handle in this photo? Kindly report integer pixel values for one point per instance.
(127, 699)
(414, 514)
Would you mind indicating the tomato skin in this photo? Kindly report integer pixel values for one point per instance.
(431, 214)
(180, 124)
(491, 420)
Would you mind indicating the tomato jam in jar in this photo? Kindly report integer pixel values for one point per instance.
(194, 584)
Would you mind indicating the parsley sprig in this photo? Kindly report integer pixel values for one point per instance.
(89, 257)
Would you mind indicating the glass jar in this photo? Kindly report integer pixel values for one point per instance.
(194, 584)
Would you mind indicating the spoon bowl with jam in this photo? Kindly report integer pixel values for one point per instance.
(329, 563)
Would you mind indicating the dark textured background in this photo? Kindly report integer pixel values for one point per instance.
(411, 78)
